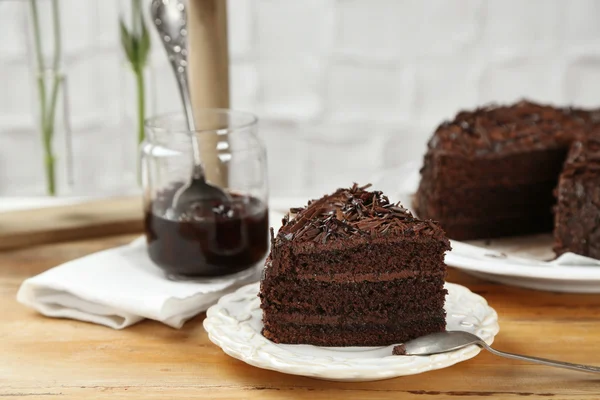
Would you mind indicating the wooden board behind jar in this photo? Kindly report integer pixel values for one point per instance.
(91, 219)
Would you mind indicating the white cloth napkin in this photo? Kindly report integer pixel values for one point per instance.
(121, 286)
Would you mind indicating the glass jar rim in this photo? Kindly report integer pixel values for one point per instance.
(158, 123)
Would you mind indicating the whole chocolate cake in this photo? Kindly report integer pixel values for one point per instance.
(492, 172)
(353, 269)
(577, 212)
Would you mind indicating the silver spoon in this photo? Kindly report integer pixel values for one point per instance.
(170, 19)
(444, 342)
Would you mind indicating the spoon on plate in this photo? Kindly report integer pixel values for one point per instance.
(443, 342)
(170, 19)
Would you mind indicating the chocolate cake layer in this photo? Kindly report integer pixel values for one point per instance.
(577, 217)
(364, 277)
(338, 298)
(360, 258)
(303, 318)
(379, 306)
(353, 269)
(491, 172)
(496, 228)
(489, 212)
(494, 169)
(498, 201)
(352, 335)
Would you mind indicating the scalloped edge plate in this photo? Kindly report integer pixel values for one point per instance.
(235, 325)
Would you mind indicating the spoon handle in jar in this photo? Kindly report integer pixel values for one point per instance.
(184, 90)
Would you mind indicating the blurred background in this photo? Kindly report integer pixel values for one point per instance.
(343, 88)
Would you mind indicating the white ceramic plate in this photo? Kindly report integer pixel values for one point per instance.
(235, 325)
(569, 273)
(518, 261)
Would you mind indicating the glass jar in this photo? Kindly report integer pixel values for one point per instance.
(211, 238)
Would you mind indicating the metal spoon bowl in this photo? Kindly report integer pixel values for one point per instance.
(170, 19)
(444, 342)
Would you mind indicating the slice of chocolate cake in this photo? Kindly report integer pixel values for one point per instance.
(353, 269)
(491, 172)
(577, 212)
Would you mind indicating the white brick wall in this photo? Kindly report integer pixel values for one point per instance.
(343, 88)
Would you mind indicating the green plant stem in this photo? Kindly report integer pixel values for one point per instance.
(136, 45)
(50, 118)
(57, 38)
(141, 97)
(37, 39)
(50, 173)
(37, 35)
(48, 112)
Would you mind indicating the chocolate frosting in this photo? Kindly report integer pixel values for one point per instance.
(349, 213)
(503, 129)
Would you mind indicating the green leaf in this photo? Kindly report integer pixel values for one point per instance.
(144, 47)
(127, 41)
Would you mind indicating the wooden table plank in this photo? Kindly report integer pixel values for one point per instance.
(92, 219)
(42, 357)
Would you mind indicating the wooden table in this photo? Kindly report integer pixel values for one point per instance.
(42, 357)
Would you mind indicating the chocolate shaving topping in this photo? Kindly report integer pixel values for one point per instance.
(352, 212)
(494, 129)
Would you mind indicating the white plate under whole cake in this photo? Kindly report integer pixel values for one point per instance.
(235, 325)
(524, 261)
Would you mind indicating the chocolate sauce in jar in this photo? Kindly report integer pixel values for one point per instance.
(211, 239)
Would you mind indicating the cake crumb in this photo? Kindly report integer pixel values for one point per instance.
(399, 350)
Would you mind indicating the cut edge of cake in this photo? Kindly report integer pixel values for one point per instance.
(577, 209)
